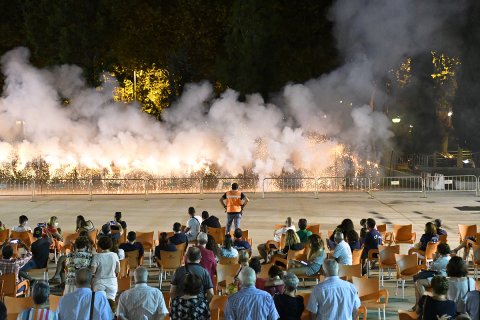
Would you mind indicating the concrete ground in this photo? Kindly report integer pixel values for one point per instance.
(161, 211)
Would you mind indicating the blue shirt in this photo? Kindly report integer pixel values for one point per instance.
(250, 303)
(178, 238)
(372, 240)
(76, 305)
(241, 244)
(426, 238)
(129, 247)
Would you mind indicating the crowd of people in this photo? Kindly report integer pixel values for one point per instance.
(87, 273)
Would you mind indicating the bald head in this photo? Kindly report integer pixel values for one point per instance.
(83, 278)
(141, 275)
(338, 237)
(247, 277)
(330, 267)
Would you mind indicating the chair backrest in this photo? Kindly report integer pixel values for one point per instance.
(245, 235)
(366, 286)
(314, 228)
(124, 283)
(9, 284)
(329, 233)
(402, 232)
(349, 271)
(181, 247)
(25, 236)
(431, 249)
(407, 315)
(54, 301)
(264, 271)
(387, 255)
(4, 235)
(465, 231)
(17, 305)
(362, 313)
(224, 260)
(296, 254)
(406, 262)
(442, 238)
(382, 228)
(170, 259)
(217, 233)
(218, 303)
(226, 272)
(146, 239)
(357, 255)
(93, 236)
(169, 234)
(166, 297)
(132, 258)
(123, 268)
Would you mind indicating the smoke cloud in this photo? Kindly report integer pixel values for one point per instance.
(304, 130)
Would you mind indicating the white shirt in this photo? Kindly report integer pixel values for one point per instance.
(333, 299)
(194, 227)
(121, 254)
(277, 235)
(21, 228)
(107, 265)
(76, 305)
(141, 303)
(343, 253)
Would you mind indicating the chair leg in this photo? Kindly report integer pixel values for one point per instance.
(381, 277)
(396, 288)
(403, 289)
(151, 258)
(379, 316)
(384, 316)
(160, 280)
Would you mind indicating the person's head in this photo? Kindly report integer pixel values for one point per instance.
(302, 224)
(81, 222)
(192, 284)
(243, 257)
(443, 249)
(255, 264)
(177, 226)
(205, 215)
(289, 222)
(316, 243)
(363, 223)
(118, 216)
(347, 224)
(338, 237)
(37, 232)
(238, 233)
(371, 223)
(202, 238)
(212, 245)
(131, 236)
(106, 228)
(275, 271)
(105, 243)
(457, 267)
(291, 282)
(291, 238)
(141, 275)
(430, 228)
(7, 251)
(40, 292)
(82, 243)
(53, 221)
(352, 236)
(439, 285)
(83, 278)
(234, 186)
(247, 277)
(191, 211)
(194, 255)
(163, 239)
(23, 220)
(330, 267)
(438, 223)
(228, 242)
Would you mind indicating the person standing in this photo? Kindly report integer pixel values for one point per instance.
(193, 225)
(234, 202)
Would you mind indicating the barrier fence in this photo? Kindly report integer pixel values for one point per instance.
(145, 187)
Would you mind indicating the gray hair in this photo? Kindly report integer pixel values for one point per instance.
(247, 276)
(291, 281)
(40, 292)
(330, 267)
(141, 275)
(202, 238)
(338, 236)
(83, 278)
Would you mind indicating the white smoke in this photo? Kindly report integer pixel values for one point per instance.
(199, 129)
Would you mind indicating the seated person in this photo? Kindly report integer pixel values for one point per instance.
(2, 226)
(255, 264)
(40, 251)
(303, 233)
(84, 225)
(227, 250)
(8, 264)
(342, 252)
(132, 245)
(292, 242)
(263, 250)
(459, 284)
(118, 218)
(178, 237)
(438, 304)
(23, 221)
(41, 310)
(288, 304)
(344, 227)
(440, 230)
(210, 221)
(274, 284)
(430, 235)
(193, 225)
(164, 244)
(315, 257)
(353, 240)
(363, 231)
(238, 242)
(53, 229)
(373, 238)
(113, 229)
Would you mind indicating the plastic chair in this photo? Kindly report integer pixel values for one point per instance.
(42, 272)
(314, 228)
(369, 294)
(404, 234)
(407, 266)
(133, 258)
(246, 237)
(25, 236)
(442, 238)
(382, 228)
(426, 256)
(224, 260)
(291, 255)
(124, 283)
(169, 261)
(146, 238)
(407, 315)
(217, 233)
(12, 316)
(476, 260)
(4, 235)
(362, 313)
(386, 259)
(10, 287)
(370, 259)
(17, 305)
(124, 270)
(349, 271)
(217, 305)
(357, 256)
(264, 271)
(69, 239)
(465, 231)
(54, 301)
(93, 236)
(225, 275)
(181, 247)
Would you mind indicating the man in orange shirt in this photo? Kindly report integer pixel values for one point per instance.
(233, 201)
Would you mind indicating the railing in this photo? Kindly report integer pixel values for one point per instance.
(145, 187)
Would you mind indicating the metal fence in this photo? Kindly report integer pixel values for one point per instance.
(145, 187)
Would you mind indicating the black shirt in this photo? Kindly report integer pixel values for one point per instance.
(289, 308)
(295, 246)
(211, 222)
(40, 251)
(435, 307)
(178, 238)
(128, 247)
(241, 244)
(168, 247)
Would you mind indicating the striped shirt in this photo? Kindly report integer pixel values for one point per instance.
(333, 299)
(141, 302)
(343, 253)
(250, 303)
(8, 266)
(37, 314)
